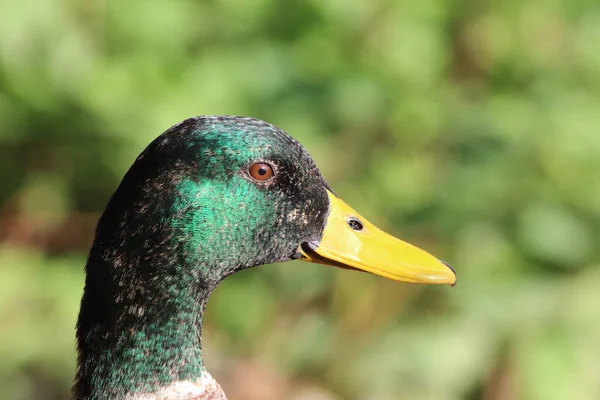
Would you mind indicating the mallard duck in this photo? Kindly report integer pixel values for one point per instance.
(209, 197)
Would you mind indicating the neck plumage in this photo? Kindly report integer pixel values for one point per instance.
(141, 313)
(137, 333)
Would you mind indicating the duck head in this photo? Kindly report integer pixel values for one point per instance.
(241, 192)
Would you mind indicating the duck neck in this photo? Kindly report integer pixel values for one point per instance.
(138, 332)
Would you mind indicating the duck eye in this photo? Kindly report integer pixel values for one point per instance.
(262, 172)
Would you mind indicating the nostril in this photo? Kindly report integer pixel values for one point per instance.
(355, 224)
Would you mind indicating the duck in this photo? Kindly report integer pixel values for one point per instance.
(210, 196)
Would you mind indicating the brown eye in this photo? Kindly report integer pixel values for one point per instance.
(262, 172)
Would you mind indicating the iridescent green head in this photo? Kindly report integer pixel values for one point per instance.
(196, 182)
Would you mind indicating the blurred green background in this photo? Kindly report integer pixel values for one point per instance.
(470, 128)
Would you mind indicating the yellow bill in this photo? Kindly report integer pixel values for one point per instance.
(350, 241)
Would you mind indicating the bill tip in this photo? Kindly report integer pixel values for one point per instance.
(451, 269)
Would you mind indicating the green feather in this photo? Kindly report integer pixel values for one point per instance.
(185, 216)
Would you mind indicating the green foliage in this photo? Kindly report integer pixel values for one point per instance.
(469, 128)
